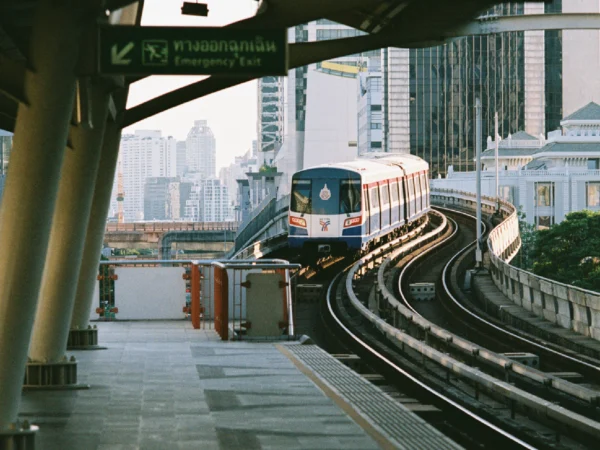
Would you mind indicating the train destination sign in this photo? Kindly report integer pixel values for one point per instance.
(192, 51)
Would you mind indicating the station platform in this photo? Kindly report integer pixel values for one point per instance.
(163, 385)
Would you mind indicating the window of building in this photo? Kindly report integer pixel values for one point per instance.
(544, 222)
(375, 107)
(506, 193)
(544, 194)
(375, 126)
(592, 194)
(376, 144)
(593, 164)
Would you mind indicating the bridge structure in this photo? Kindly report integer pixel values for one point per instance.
(55, 204)
(204, 237)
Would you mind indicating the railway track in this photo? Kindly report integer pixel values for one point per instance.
(496, 411)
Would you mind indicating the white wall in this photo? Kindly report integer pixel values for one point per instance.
(149, 293)
(331, 110)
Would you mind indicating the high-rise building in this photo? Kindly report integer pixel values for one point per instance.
(208, 202)
(181, 164)
(142, 155)
(429, 93)
(270, 113)
(320, 101)
(370, 120)
(161, 198)
(201, 155)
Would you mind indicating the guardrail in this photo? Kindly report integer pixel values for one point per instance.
(263, 217)
(482, 380)
(567, 306)
(159, 227)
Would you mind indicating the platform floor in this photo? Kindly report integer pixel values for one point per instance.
(163, 385)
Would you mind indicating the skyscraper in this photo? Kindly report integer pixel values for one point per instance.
(201, 150)
(142, 155)
(181, 163)
(429, 93)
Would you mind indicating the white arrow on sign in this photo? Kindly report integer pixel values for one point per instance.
(117, 57)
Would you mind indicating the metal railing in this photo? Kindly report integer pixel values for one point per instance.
(149, 227)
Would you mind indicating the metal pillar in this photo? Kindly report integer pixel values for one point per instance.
(478, 254)
(32, 184)
(69, 227)
(96, 227)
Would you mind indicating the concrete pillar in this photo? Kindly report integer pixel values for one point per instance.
(32, 184)
(96, 227)
(69, 227)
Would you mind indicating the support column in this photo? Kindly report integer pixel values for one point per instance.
(32, 185)
(69, 227)
(96, 227)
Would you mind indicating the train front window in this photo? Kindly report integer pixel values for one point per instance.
(350, 196)
(301, 196)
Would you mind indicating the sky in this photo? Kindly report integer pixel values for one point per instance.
(231, 113)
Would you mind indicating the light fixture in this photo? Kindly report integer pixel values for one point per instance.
(194, 9)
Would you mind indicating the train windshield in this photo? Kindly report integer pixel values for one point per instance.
(325, 196)
(350, 196)
(301, 196)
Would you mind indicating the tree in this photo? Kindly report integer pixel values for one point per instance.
(570, 251)
(528, 235)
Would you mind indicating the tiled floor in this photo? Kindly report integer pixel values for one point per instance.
(163, 385)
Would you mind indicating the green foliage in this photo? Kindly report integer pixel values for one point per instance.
(528, 237)
(267, 168)
(570, 251)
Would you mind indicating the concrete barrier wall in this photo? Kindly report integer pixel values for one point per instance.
(566, 306)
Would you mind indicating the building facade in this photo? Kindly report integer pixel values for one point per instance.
(209, 202)
(201, 153)
(162, 198)
(142, 155)
(370, 104)
(546, 177)
(429, 93)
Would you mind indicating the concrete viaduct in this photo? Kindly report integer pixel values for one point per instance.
(67, 123)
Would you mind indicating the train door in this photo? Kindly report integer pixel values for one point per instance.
(395, 202)
(410, 196)
(425, 187)
(418, 195)
(367, 210)
(384, 195)
(402, 199)
(375, 208)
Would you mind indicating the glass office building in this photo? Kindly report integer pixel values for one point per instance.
(430, 92)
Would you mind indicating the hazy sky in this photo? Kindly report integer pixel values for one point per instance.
(230, 113)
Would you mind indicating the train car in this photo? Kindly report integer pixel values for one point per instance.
(351, 206)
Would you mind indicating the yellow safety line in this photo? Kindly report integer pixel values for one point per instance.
(355, 415)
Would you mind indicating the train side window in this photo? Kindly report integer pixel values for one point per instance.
(401, 191)
(374, 198)
(385, 194)
(424, 189)
(394, 189)
(349, 196)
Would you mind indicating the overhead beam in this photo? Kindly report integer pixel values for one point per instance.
(12, 75)
(529, 22)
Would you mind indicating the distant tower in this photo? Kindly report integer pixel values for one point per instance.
(120, 195)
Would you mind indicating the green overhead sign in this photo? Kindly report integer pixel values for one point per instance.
(192, 51)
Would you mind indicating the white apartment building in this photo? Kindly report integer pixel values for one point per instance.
(201, 153)
(370, 100)
(142, 155)
(547, 177)
(208, 202)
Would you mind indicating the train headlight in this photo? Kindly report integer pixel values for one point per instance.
(353, 221)
(298, 221)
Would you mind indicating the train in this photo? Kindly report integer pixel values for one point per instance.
(353, 206)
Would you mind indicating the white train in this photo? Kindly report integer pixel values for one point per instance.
(353, 205)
